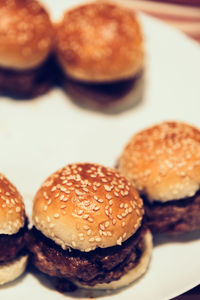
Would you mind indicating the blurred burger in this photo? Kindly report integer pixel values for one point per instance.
(100, 49)
(88, 228)
(13, 255)
(163, 163)
(26, 37)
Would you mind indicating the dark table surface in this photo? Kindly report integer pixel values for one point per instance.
(193, 294)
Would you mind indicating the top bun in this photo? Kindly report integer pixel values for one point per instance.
(163, 162)
(85, 206)
(25, 33)
(12, 212)
(100, 42)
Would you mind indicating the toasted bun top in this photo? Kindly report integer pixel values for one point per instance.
(163, 162)
(100, 42)
(25, 33)
(85, 206)
(12, 212)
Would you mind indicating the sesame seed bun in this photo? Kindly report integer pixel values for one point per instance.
(25, 33)
(12, 270)
(163, 162)
(85, 206)
(12, 212)
(133, 274)
(100, 42)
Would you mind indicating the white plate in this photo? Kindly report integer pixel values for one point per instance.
(37, 137)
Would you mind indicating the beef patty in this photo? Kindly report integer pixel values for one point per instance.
(101, 265)
(175, 217)
(28, 83)
(12, 246)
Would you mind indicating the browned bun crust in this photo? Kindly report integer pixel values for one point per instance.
(12, 212)
(100, 42)
(163, 162)
(85, 206)
(26, 34)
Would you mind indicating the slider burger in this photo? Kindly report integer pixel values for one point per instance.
(88, 228)
(13, 255)
(26, 42)
(100, 47)
(163, 163)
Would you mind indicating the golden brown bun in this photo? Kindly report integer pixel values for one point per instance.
(131, 275)
(85, 206)
(163, 161)
(100, 42)
(12, 212)
(12, 270)
(25, 33)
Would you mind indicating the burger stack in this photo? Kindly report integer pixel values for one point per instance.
(95, 53)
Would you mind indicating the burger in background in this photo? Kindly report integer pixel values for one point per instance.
(26, 35)
(13, 253)
(100, 50)
(88, 228)
(163, 163)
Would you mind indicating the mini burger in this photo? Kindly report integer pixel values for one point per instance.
(88, 228)
(13, 254)
(100, 50)
(163, 163)
(26, 35)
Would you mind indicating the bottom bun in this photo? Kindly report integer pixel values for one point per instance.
(106, 97)
(133, 274)
(10, 271)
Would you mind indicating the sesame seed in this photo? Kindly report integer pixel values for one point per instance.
(124, 235)
(119, 217)
(123, 224)
(63, 206)
(56, 216)
(109, 233)
(89, 232)
(45, 208)
(85, 216)
(80, 212)
(119, 241)
(85, 227)
(137, 211)
(108, 196)
(18, 209)
(90, 220)
(73, 244)
(98, 239)
(91, 239)
(96, 208)
(102, 227)
(100, 200)
(110, 202)
(107, 224)
(62, 197)
(114, 221)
